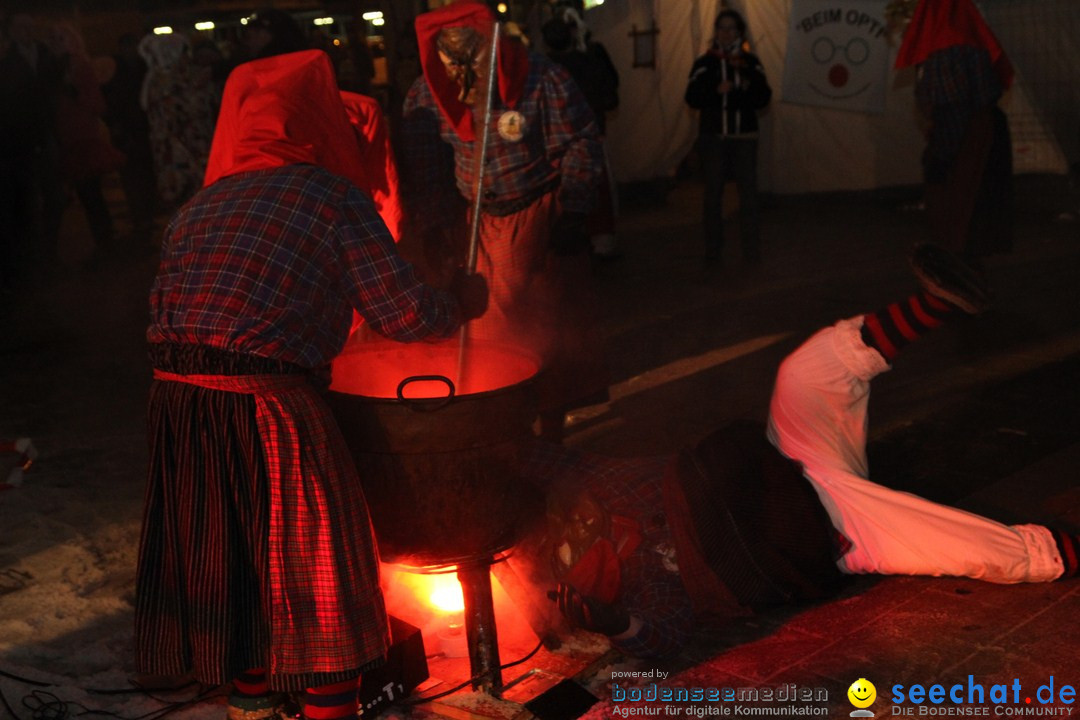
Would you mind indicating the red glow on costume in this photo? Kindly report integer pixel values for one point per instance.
(940, 24)
(597, 573)
(512, 61)
(376, 157)
(284, 110)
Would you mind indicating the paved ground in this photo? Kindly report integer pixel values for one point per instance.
(985, 415)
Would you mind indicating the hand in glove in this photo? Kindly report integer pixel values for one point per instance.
(591, 614)
(471, 292)
(569, 235)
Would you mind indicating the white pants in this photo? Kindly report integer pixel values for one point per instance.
(818, 417)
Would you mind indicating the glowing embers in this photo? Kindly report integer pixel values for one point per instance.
(450, 609)
(445, 593)
(433, 600)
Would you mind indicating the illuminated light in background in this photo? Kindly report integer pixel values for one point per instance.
(243, 21)
(323, 21)
(205, 25)
(373, 15)
(501, 8)
(336, 41)
(378, 21)
(163, 30)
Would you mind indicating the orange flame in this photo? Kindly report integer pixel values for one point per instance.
(444, 593)
(436, 592)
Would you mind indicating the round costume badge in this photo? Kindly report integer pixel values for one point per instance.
(511, 126)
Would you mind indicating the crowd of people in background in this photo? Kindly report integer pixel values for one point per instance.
(145, 111)
(142, 117)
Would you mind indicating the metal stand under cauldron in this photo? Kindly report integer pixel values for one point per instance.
(439, 464)
(477, 505)
(480, 632)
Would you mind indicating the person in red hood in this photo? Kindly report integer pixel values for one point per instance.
(967, 162)
(376, 157)
(257, 562)
(543, 162)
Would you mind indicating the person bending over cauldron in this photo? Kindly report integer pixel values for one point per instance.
(257, 562)
(752, 517)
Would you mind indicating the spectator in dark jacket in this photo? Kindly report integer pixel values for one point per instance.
(728, 86)
(590, 65)
(129, 128)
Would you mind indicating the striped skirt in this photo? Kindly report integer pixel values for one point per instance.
(257, 549)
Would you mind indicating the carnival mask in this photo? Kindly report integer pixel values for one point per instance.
(461, 50)
(575, 524)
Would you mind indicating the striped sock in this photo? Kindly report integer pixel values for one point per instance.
(251, 683)
(890, 329)
(251, 698)
(1068, 547)
(331, 702)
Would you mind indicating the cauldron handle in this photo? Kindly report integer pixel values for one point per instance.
(426, 405)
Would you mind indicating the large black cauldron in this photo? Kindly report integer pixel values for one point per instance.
(438, 455)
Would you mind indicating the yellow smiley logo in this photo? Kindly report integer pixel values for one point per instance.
(862, 693)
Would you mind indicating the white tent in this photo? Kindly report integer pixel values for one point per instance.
(805, 148)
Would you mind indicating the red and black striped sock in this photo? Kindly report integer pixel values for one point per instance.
(890, 329)
(1068, 546)
(251, 683)
(337, 701)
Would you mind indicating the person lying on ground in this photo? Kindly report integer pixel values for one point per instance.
(753, 517)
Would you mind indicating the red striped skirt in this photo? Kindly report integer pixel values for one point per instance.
(257, 549)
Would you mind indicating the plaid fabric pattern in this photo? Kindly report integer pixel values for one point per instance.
(953, 83)
(651, 589)
(326, 612)
(543, 302)
(560, 143)
(272, 263)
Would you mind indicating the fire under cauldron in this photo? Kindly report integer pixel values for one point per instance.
(436, 438)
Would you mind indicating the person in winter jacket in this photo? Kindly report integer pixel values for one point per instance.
(728, 85)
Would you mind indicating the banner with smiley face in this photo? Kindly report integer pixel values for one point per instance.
(837, 55)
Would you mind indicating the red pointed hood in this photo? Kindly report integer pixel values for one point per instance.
(284, 110)
(376, 157)
(512, 61)
(939, 24)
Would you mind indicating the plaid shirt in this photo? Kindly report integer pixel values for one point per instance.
(560, 146)
(953, 83)
(272, 262)
(651, 588)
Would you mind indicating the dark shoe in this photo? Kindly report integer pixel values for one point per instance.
(948, 278)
